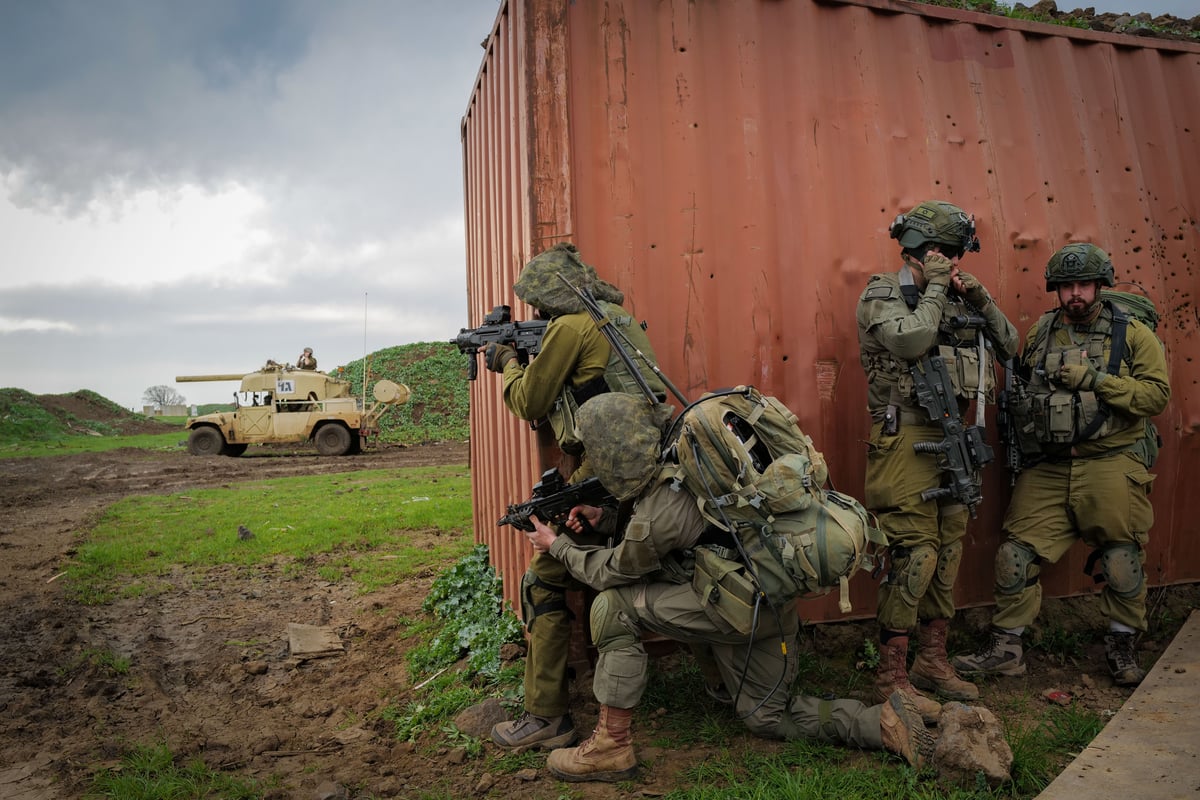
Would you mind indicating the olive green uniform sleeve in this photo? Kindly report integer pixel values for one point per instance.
(1003, 335)
(1145, 390)
(884, 318)
(664, 520)
(573, 351)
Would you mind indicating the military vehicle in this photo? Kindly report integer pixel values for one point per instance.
(279, 404)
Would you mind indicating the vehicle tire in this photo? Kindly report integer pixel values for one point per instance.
(333, 439)
(205, 441)
(234, 450)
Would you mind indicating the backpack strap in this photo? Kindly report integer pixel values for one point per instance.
(1120, 323)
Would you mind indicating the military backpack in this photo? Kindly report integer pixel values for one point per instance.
(776, 531)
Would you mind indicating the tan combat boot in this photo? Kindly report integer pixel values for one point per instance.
(931, 671)
(606, 756)
(893, 675)
(903, 731)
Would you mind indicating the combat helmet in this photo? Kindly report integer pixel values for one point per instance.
(622, 434)
(940, 223)
(1079, 262)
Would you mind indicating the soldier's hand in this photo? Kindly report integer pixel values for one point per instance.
(937, 268)
(497, 355)
(1080, 377)
(971, 289)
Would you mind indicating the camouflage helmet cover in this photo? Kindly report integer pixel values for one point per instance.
(936, 222)
(1079, 262)
(539, 284)
(622, 435)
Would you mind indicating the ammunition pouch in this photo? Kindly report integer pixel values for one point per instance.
(724, 590)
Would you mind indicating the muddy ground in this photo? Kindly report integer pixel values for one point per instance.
(211, 674)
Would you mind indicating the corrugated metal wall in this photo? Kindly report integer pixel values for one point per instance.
(733, 165)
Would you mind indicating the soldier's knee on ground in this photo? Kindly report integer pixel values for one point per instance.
(1122, 568)
(1016, 568)
(609, 630)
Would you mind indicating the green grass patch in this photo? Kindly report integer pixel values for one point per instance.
(151, 772)
(361, 525)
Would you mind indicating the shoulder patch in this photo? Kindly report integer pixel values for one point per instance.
(879, 290)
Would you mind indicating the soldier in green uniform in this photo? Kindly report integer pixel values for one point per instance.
(646, 583)
(575, 364)
(1092, 378)
(904, 317)
(306, 359)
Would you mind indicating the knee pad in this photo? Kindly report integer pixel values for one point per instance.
(1016, 567)
(949, 557)
(1121, 566)
(913, 570)
(539, 597)
(609, 631)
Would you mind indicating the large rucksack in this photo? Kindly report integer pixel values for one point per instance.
(759, 481)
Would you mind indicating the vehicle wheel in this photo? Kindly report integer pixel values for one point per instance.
(205, 442)
(234, 450)
(333, 440)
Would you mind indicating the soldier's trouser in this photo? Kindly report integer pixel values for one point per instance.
(760, 675)
(1103, 501)
(544, 608)
(924, 536)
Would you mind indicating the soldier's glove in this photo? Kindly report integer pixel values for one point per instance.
(497, 355)
(973, 290)
(1080, 377)
(937, 268)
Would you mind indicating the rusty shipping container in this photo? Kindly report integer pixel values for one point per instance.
(734, 165)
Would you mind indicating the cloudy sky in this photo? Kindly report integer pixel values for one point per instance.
(195, 187)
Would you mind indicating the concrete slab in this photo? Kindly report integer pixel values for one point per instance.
(314, 641)
(1151, 749)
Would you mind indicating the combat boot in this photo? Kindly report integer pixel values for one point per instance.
(903, 731)
(530, 730)
(1000, 656)
(893, 675)
(931, 671)
(1122, 661)
(606, 756)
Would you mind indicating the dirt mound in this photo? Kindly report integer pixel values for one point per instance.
(87, 412)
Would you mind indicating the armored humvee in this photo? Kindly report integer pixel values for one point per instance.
(280, 403)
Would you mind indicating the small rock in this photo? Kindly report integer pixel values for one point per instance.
(457, 756)
(526, 775)
(244, 533)
(486, 782)
(328, 790)
(479, 719)
(255, 667)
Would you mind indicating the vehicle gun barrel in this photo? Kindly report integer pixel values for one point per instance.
(219, 377)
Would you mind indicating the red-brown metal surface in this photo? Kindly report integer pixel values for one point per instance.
(733, 166)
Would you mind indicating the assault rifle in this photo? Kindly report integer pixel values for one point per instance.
(553, 498)
(962, 451)
(1007, 424)
(524, 337)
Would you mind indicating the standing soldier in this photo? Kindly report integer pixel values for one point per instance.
(929, 313)
(575, 363)
(1093, 376)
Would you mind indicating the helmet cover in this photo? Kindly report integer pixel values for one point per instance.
(1079, 262)
(622, 435)
(539, 284)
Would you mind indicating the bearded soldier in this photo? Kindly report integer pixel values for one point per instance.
(1093, 377)
(930, 321)
(575, 364)
(646, 585)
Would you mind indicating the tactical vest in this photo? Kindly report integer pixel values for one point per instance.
(616, 378)
(1056, 415)
(958, 347)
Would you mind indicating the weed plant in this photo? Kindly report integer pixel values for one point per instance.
(151, 773)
